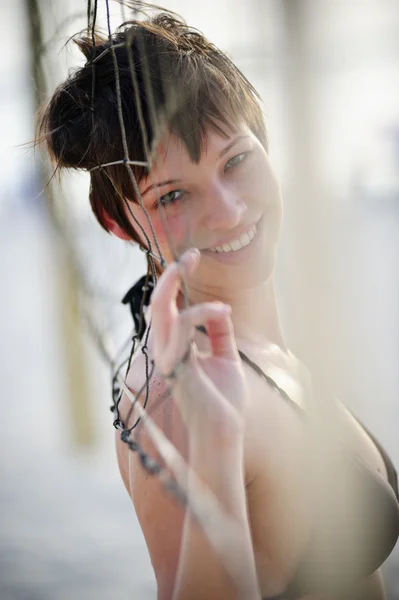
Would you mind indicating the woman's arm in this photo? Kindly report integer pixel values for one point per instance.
(203, 557)
(201, 572)
(180, 552)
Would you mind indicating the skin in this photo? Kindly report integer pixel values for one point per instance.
(229, 411)
(218, 200)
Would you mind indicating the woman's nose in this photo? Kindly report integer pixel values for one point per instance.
(224, 209)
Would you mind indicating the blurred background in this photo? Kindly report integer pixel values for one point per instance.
(328, 75)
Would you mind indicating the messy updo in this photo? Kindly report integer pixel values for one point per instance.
(170, 75)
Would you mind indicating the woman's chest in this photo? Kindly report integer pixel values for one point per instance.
(286, 492)
(282, 414)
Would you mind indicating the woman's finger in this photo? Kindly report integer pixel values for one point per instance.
(221, 336)
(182, 332)
(163, 302)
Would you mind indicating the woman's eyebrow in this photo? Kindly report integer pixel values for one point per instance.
(229, 146)
(172, 181)
(160, 184)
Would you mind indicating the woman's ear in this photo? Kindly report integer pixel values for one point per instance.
(114, 228)
(118, 231)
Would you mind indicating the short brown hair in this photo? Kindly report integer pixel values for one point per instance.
(182, 80)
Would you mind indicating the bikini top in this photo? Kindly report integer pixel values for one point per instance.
(350, 537)
(365, 531)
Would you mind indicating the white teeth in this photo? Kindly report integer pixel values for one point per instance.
(245, 239)
(236, 244)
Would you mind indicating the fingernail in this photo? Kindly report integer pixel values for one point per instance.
(226, 309)
(195, 253)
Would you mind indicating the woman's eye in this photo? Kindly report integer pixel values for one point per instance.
(236, 160)
(169, 198)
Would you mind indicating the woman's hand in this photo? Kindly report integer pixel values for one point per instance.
(216, 560)
(209, 388)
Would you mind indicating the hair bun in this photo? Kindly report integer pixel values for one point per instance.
(85, 45)
(69, 126)
(66, 123)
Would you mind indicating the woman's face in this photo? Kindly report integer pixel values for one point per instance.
(228, 205)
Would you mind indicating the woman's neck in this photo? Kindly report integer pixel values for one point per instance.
(255, 316)
(254, 313)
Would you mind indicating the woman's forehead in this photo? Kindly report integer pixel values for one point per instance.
(172, 151)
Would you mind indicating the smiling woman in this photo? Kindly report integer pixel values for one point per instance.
(174, 139)
(211, 204)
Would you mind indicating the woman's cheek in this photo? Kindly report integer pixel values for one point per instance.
(174, 228)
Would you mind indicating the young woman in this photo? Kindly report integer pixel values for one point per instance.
(210, 197)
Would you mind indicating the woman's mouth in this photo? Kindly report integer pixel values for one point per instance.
(235, 249)
(238, 243)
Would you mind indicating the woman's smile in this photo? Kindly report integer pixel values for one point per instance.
(236, 248)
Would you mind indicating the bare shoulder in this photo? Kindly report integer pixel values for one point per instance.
(161, 517)
(159, 405)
